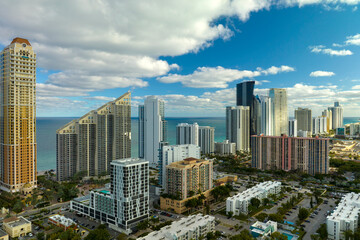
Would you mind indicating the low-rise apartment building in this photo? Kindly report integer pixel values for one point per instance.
(62, 222)
(17, 226)
(260, 230)
(191, 227)
(344, 217)
(239, 203)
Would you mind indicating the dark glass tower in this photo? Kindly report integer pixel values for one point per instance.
(245, 93)
(245, 97)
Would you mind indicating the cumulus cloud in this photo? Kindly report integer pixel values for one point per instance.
(321, 74)
(353, 40)
(100, 98)
(317, 98)
(332, 52)
(219, 77)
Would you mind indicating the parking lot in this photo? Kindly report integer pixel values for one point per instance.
(315, 220)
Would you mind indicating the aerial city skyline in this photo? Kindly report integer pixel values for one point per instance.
(220, 119)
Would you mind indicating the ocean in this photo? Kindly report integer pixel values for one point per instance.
(46, 135)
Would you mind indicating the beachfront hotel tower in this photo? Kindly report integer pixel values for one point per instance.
(88, 145)
(18, 117)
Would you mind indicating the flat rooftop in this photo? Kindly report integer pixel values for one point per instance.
(179, 227)
(16, 221)
(128, 161)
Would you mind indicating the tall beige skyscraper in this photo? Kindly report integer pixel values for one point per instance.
(18, 117)
(304, 119)
(280, 110)
(89, 144)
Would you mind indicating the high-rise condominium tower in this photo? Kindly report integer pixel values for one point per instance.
(293, 128)
(304, 119)
(206, 139)
(152, 129)
(337, 115)
(245, 97)
(90, 143)
(328, 114)
(264, 113)
(187, 133)
(126, 203)
(237, 126)
(319, 125)
(18, 117)
(280, 110)
(175, 153)
(309, 155)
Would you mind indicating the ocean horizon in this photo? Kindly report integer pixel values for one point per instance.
(47, 126)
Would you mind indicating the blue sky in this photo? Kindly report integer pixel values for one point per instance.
(191, 55)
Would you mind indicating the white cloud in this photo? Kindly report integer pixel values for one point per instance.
(100, 98)
(219, 77)
(329, 51)
(321, 74)
(317, 98)
(114, 41)
(275, 70)
(302, 3)
(353, 40)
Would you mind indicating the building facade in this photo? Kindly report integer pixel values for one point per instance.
(89, 144)
(152, 129)
(188, 177)
(304, 119)
(62, 222)
(319, 125)
(16, 226)
(126, 203)
(337, 115)
(18, 117)
(187, 133)
(245, 97)
(264, 115)
(280, 111)
(175, 153)
(239, 203)
(308, 155)
(225, 148)
(328, 114)
(206, 139)
(344, 217)
(187, 228)
(238, 126)
(293, 128)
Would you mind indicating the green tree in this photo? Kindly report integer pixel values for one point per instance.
(121, 236)
(276, 217)
(255, 202)
(266, 201)
(261, 217)
(40, 236)
(303, 214)
(278, 236)
(244, 235)
(348, 234)
(18, 207)
(322, 231)
(100, 233)
(143, 225)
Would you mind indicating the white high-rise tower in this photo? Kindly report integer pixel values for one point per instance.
(280, 110)
(152, 129)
